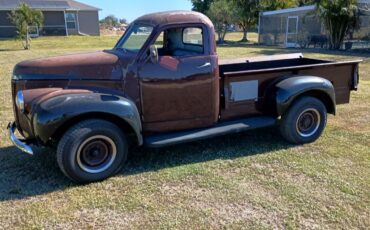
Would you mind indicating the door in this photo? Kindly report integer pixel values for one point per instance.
(291, 32)
(180, 90)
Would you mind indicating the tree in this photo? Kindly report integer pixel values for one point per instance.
(123, 21)
(201, 5)
(109, 21)
(222, 15)
(247, 14)
(306, 2)
(340, 18)
(24, 17)
(268, 5)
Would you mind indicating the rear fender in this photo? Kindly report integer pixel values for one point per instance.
(291, 88)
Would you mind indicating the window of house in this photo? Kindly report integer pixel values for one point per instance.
(192, 36)
(71, 20)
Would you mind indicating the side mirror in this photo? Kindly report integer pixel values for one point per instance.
(153, 54)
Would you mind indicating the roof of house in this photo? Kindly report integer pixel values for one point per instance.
(289, 10)
(308, 8)
(47, 5)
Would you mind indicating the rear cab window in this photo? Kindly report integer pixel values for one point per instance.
(180, 41)
(192, 36)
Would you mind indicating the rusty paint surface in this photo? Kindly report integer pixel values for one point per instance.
(176, 93)
(96, 65)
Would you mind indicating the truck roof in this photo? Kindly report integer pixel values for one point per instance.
(175, 17)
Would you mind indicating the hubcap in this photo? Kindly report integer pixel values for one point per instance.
(308, 122)
(96, 154)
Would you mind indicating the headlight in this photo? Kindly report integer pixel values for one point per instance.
(19, 100)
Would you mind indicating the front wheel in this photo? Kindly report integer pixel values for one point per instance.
(304, 121)
(91, 151)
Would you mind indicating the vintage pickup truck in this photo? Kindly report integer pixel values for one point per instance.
(162, 84)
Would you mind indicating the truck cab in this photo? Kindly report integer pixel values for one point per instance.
(177, 70)
(163, 84)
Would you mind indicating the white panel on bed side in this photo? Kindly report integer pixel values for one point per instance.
(244, 91)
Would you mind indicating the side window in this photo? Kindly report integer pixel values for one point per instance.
(180, 42)
(192, 36)
(160, 41)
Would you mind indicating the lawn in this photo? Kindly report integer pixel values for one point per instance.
(250, 180)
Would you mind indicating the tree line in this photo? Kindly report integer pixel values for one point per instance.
(340, 17)
(112, 21)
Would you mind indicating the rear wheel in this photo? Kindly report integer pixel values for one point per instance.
(304, 121)
(92, 150)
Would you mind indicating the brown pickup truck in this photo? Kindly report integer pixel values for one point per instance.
(162, 84)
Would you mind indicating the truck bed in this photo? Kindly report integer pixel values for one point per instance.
(244, 82)
(266, 63)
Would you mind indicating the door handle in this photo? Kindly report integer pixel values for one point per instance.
(207, 64)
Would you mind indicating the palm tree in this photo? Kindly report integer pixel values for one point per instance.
(340, 18)
(23, 18)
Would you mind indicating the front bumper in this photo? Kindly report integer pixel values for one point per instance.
(17, 142)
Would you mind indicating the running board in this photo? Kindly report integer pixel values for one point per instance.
(236, 126)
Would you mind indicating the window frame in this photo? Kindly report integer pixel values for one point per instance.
(70, 21)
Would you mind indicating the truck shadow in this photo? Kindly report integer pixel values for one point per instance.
(22, 176)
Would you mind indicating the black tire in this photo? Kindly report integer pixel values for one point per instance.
(92, 151)
(304, 121)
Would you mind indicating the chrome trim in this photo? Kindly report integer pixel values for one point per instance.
(18, 143)
(105, 166)
(207, 64)
(19, 100)
(317, 113)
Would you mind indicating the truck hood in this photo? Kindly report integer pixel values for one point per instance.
(102, 65)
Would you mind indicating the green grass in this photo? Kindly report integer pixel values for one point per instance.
(251, 180)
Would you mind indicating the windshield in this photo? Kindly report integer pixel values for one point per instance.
(134, 39)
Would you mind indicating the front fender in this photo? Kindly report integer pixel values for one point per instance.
(53, 113)
(291, 88)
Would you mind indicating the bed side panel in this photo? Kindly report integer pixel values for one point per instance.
(340, 75)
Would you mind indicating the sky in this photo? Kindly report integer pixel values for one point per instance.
(132, 9)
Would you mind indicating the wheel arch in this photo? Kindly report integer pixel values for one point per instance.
(291, 89)
(52, 117)
(118, 121)
(320, 95)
